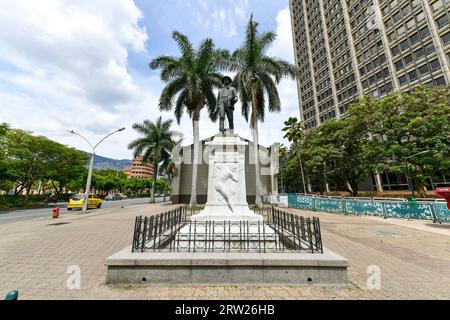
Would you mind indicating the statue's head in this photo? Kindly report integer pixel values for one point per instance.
(226, 81)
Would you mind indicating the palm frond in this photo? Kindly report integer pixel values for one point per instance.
(185, 46)
(266, 39)
(269, 86)
(169, 92)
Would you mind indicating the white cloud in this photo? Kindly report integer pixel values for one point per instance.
(222, 19)
(67, 64)
(270, 130)
(63, 65)
(282, 48)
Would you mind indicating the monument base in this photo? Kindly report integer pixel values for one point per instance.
(219, 212)
(175, 268)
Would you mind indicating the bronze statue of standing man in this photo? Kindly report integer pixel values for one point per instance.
(226, 100)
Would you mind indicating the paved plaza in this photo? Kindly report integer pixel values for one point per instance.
(413, 259)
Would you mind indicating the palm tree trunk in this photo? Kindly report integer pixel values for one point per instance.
(155, 176)
(195, 120)
(254, 129)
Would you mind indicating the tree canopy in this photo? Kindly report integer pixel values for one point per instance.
(393, 133)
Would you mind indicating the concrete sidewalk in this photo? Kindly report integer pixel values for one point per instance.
(35, 257)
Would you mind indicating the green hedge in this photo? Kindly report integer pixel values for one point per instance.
(34, 201)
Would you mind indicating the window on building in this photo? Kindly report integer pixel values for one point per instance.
(414, 38)
(408, 59)
(439, 81)
(435, 65)
(446, 38)
(402, 79)
(412, 75)
(442, 21)
(436, 6)
(430, 48)
(424, 33)
(410, 24)
(395, 50)
(420, 17)
(397, 16)
(419, 53)
(404, 45)
(424, 70)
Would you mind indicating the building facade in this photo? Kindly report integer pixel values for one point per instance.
(139, 169)
(182, 178)
(349, 48)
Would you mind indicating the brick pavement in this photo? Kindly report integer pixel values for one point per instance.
(35, 255)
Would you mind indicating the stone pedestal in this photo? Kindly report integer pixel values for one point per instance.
(227, 196)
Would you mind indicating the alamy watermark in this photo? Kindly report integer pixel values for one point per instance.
(267, 160)
(374, 278)
(374, 18)
(74, 280)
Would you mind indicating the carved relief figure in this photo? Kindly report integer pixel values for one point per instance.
(222, 174)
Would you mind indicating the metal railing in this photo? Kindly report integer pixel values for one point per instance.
(280, 231)
(388, 208)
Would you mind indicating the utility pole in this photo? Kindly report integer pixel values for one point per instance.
(91, 165)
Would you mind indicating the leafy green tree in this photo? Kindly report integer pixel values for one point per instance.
(3, 174)
(257, 76)
(155, 144)
(191, 79)
(109, 180)
(295, 134)
(162, 185)
(67, 166)
(135, 185)
(401, 133)
(339, 148)
(30, 158)
(411, 131)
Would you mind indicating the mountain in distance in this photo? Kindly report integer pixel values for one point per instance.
(104, 163)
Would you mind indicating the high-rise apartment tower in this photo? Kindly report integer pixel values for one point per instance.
(348, 48)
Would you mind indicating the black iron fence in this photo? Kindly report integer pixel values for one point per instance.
(279, 231)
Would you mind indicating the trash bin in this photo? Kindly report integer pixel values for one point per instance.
(444, 193)
(413, 203)
(13, 295)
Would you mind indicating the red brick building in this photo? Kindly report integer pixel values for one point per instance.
(139, 169)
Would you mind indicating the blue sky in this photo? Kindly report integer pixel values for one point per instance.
(83, 65)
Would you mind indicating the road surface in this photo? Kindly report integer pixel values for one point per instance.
(20, 215)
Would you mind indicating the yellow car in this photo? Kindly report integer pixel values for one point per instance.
(76, 202)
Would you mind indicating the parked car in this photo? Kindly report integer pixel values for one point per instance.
(51, 199)
(76, 202)
(113, 197)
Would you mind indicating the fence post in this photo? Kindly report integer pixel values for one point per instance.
(433, 213)
(344, 206)
(383, 206)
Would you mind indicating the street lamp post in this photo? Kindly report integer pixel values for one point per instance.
(408, 178)
(91, 165)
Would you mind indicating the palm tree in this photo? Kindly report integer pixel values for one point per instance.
(257, 76)
(295, 134)
(191, 80)
(167, 168)
(155, 144)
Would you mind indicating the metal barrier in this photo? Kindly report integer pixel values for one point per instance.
(389, 208)
(280, 231)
